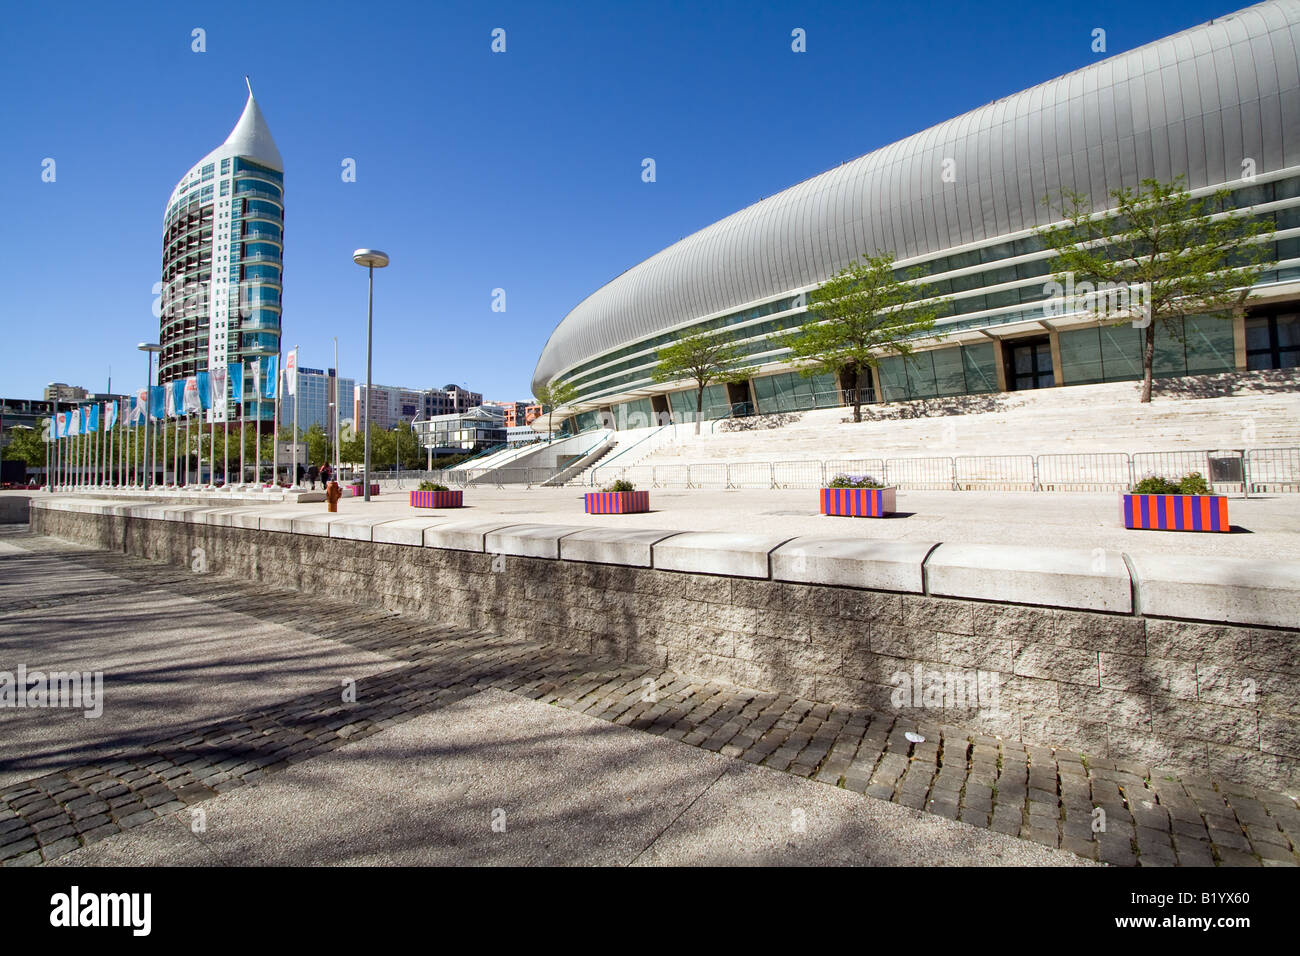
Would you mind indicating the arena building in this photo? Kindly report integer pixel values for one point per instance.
(1218, 104)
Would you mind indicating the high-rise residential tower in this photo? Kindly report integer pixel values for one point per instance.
(223, 248)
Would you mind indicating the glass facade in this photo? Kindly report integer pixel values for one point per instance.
(1000, 283)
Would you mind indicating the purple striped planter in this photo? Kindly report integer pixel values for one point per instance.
(357, 489)
(859, 502)
(1175, 512)
(437, 499)
(616, 502)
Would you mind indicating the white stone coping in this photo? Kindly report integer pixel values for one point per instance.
(854, 562)
(633, 546)
(1058, 577)
(1218, 589)
(718, 552)
(1231, 590)
(528, 540)
(464, 535)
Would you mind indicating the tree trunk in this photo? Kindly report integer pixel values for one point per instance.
(857, 394)
(1148, 360)
(699, 407)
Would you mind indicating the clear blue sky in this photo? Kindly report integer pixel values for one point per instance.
(475, 170)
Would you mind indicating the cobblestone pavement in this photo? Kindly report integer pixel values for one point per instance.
(1047, 796)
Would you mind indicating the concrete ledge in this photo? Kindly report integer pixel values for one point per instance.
(1236, 590)
(356, 528)
(714, 552)
(1054, 577)
(528, 540)
(409, 531)
(462, 535)
(613, 546)
(853, 562)
(277, 520)
(247, 519)
(318, 525)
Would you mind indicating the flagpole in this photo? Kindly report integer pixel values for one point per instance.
(294, 436)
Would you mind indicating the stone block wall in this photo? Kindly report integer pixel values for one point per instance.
(1175, 694)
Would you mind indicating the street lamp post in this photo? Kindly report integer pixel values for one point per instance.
(372, 259)
(148, 348)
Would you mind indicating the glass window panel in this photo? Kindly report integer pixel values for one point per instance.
(1257, 333)
(1080, 356)
(1209, 347)
(949, 372)
(893, 379)
(920, 375)
(1171, 357)
(981, 372)
(1288, 331)
(1121, 353)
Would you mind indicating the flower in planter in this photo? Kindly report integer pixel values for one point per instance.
(1160, 504)
(855, 481)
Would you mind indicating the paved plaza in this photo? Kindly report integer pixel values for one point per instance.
(1262, 524)
(468, 747)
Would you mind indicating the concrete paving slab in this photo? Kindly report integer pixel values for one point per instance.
(355, 528)
(563, 788)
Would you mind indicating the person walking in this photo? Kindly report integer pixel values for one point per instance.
(312, 474)
(326, 474)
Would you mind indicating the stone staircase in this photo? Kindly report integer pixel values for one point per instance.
(1240, 411)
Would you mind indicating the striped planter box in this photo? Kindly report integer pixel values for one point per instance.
(859, 502)
(616, 502)
(437, 499)
(358, 489)
(1175, 512)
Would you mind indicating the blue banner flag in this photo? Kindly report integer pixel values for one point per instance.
(92, 419)
(271, 380)
(157, 402)
(205, 390)
(235, 375)
(176, 398)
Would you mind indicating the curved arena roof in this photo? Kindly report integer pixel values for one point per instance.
(1196, 103)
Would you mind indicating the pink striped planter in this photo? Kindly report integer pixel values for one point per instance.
(859, 502)
(437, 499)
(358, 489)
(616, 502)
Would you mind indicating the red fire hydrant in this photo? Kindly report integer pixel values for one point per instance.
(332, 494)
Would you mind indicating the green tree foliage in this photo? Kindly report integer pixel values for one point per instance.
(704, 360)
(859, 316)
(554, 396)
(26, 445)
(1161, 245)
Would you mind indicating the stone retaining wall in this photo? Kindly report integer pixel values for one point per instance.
(1097, 652)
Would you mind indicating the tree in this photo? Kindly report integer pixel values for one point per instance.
(318, 445)
(553, 396)
(859, 316)
(25, 445)
(704, 359)
(1160, 256)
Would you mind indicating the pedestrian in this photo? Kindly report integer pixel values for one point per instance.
(312, 474)
(332, 495)
(326, 474)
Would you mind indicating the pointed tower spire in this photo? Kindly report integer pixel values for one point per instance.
(251, 136)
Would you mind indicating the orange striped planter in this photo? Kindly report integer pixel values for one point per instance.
(859, 502)
(437, 499)
(616, 502)
(1175, 512)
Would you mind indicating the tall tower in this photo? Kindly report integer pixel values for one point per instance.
(222, 263)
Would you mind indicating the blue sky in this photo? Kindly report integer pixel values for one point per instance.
(475, 170)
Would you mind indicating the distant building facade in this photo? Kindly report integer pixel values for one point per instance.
(390, 405)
